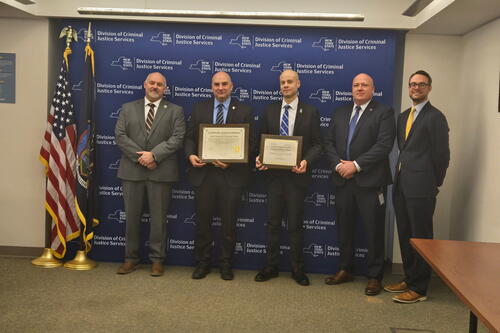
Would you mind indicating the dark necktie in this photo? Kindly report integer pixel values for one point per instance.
(352, 127)
(284, 121)
(220, 114)
(150, 117)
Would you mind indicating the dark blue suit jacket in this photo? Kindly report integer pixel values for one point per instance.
(371, 143)
(307, 125)
(237, 175)
(425, 155)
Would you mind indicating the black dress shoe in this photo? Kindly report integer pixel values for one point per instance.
(200, 272)
(300, 278)
(226, 273)
(266, 273)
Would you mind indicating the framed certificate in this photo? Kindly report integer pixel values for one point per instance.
(227, 143)
(280, 152)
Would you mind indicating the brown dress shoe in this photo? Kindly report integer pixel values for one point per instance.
(157, 269)
(409, 297)
(341, 277)
(373, 287)
(399, 287)
(126, 267)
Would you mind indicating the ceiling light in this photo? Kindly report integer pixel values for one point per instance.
(221, 14)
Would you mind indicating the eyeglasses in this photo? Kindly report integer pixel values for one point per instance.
(420, 85)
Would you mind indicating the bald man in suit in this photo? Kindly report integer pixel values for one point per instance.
(149, 131)
(358, 143)
(287, 188)
(424, 156)
(217, 186)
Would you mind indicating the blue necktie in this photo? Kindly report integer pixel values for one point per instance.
(352, 127)
(220, 114)
(284, 121)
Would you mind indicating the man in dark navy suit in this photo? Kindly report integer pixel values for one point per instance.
(424, 156)
(217, 185)
(287, 188)
(358, 143)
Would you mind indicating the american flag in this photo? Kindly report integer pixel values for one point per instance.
(58, 156)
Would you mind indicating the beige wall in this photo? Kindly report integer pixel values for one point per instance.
(440, 57)
(465, 72)
(475, 206)
(21, 175)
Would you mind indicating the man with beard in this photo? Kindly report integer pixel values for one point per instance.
(149, 131)
(424, 156)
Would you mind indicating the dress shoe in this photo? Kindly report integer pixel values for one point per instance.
(373, 287)
(200, 272)
(300, 278)
(408, 297)
(399, 287)
(266, 273)
(341, 277)
(126, 267)
(226, 273)
(157, 269)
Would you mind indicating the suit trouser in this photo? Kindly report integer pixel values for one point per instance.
(414, 220)
(158, 195)
(353, 201)
(215, 193)
(285, 197)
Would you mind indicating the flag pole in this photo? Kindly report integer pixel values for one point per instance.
(81, 262)
(47, 259)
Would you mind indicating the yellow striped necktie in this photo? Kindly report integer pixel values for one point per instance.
(409, 122)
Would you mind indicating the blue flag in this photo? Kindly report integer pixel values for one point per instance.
(86, 200)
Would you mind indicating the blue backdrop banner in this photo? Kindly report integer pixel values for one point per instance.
(188, 55)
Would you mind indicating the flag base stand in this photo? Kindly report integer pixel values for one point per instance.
(81, 262)
(46, 260)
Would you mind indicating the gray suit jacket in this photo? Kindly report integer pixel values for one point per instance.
(165, 138)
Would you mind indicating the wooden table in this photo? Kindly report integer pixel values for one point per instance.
(472, 271)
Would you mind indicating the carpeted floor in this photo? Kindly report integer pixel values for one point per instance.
(60, 300)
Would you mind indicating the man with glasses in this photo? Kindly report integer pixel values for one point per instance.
(424, 155)
(358, 143)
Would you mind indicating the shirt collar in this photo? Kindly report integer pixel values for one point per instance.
(363, 106)
(147, 101)
(225, 103)
(293, 104)
(420, 106)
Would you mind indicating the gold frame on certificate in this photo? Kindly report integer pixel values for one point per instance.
(226, 143)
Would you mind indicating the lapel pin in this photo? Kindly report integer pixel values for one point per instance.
(164, 106)
(300, 111)
(233, 107)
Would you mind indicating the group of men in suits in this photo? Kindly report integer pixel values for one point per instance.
(357, 145)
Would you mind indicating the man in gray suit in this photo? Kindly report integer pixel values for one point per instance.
(149, 131)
